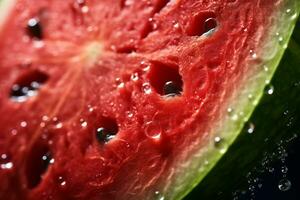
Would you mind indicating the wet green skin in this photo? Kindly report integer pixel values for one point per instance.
(270, 123)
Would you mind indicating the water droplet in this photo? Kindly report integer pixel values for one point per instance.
(234, 117)
(280, 39)
(4, 156)
(81, 6)
(291, 13)
(7, 165)
(253, 54)
(147, 88)
(45, 118)
(85, 9)
(284, 185)
(269, 89)
(135, 76)
(153, 23)
(23, 124)
(83, 123)
(14, 132)
(271, 169)
(59, 125)
(119, 83)
(20, 93)
(250, 97)
(229, 111)
(129, 114)
(153, 130)
(61, 181)
(34, 28)
(56, 122)
(219, 143)
(146, 67)
(5, 162)
(90, 108)
(250, 128)
(284, 169)
(159, 196)
(47, 159)
(218, 140)
(176, 25)
(266, 69)
(171, 89)
(294, 16)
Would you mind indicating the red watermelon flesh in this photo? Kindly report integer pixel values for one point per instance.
(116, 99)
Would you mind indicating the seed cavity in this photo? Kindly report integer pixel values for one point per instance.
(107, 130)
(165, 79)
(202, 23)
(37, 163)
(27, 85)
(34, 28)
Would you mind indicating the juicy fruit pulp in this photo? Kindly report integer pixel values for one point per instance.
(115, 99)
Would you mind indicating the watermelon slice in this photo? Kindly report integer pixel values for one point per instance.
(129, 99)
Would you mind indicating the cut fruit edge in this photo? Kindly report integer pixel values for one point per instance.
(241, 104)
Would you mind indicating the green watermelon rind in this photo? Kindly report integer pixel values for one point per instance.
(242, 105)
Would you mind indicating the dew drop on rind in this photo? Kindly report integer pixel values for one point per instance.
(269, 89)
(34, 28)
(250, 128)
(210, 24)
(171, 89)
(218, 141)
